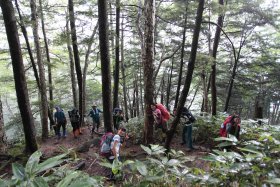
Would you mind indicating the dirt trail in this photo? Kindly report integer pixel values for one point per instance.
(87, 152)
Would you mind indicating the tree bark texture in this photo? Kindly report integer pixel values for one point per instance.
(258, 112)
(148, 67)
(188, 79)
(86, 65)
(214, 55)
(123, 76)
(168, 92)
(181, 59)
(117, 57)
(105, 65)
(19, 76)
(76, 57)
(205, 90)
(50, 106)
(25, 35)
(234, 69)
(3, 138)
(41, 68)
(72, 66)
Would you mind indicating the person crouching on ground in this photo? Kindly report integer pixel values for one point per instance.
(117, 142)
(233, 127)
(158, 119)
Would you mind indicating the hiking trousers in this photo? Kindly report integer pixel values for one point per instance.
(59, 125)
(187, 135)
(95, 123)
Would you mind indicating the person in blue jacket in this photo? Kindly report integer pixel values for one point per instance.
(60, 121)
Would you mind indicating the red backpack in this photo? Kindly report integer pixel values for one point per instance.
(164, 112)
(223, 132)
(105, 144)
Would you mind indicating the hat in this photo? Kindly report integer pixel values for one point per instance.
(94, 105)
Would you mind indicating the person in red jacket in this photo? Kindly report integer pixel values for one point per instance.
(231, 126)
(160, 120)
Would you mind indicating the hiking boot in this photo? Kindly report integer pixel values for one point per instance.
(189, 149)
(195, 148)
(111, 179)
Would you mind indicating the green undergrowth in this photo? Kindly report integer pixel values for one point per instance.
(251, 161)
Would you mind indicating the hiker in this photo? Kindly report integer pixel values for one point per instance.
(231, 126)
(94, 114)
(118, 118)
(60, 120)
(189, 119)
(75, 121)
(116, 144)
(161, 116)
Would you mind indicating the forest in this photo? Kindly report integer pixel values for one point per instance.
(160, 75)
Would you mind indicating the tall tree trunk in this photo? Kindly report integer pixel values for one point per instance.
(147, 61)
(105, 65)
(72, 66)
(24, 32)
(19, 76)
(194, 95)
(25, 35)
(140, 33)
(111, 33)
(277, 119)
(214, 55)
(86, 65)
(258, 113)
(134, 100)
(169, 86)
(162, 91)
(274, 113)
(205, 91)
(117, 56)
(188, 79)
(50, 114)
(141, 90)
(43, 90)
(123, 76)
(204, 72)
(76, 57)
(3, 138)
(234, 69)
(137, 96)
(182, 58)
(208, 88)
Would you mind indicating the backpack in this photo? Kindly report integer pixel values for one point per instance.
(74, 116)
(223, 132)
(105, 144)
(188, 114)
(164, 112)
(60, 117)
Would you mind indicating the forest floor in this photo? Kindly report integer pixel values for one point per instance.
(86, 146)
(87, 149)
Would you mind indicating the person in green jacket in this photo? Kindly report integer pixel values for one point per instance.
(95, 115)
